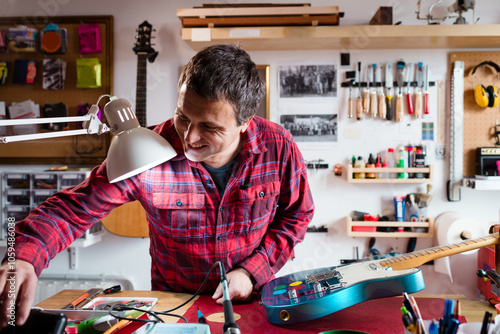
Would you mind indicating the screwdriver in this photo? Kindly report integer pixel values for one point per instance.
(418, 95)
(359, 109)
(373, 97)
(400, 67)
(426, 90)
(350, 78)
(366, 97)
(409, 101)
(388, 84)
(381, 98)
(350, 105)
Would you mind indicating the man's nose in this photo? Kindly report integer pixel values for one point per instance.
(192, 134)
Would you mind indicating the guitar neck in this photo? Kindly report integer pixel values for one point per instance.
(140, 92)
(415, 259)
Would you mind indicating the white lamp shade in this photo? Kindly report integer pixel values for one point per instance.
(134, 151)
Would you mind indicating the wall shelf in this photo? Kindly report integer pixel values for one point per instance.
(428, 227)
(348, 37)
(384, 170)
(488, 183)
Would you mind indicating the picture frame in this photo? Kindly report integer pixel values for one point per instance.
(264, 72)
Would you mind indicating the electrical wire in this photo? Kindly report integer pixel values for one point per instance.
(121, 307)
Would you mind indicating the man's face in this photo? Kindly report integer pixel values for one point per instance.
(207, 129)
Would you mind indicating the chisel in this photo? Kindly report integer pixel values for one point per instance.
(409, 69)
(350, 78)
(388, 84)
(426, 90)
(366, 95)
(382, 108)
(400, 68)
(373, 97)
(418, 95)
(359, 108)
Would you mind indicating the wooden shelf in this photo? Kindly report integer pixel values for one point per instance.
(378, 170)
(348, 37)
(429, 225)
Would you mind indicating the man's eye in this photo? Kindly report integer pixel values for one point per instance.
(211, 128)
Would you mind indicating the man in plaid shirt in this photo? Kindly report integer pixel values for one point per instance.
(237, 192)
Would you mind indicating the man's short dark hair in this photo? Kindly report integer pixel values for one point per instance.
(225, 72)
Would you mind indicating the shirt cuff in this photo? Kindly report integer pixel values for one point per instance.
(259, 268)
(31, 254)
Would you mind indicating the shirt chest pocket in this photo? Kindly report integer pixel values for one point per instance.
(182, 216)
(256, 207)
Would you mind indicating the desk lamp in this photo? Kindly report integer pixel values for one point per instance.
(133, 150)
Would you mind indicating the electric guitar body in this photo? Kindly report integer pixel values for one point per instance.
(312, 294)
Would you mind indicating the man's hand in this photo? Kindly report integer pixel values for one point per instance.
(239, 282)
(17, 289)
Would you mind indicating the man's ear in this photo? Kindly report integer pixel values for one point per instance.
(244, 127)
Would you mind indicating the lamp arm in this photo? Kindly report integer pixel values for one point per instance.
(91, 124)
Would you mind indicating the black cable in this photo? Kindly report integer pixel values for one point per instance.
(121, 307)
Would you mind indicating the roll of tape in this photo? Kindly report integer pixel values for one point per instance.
(452, 228)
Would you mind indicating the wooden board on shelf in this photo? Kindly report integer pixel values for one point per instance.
(429, 225)
(352, 37)
(378, 170)
(238, 21)
(265, 15)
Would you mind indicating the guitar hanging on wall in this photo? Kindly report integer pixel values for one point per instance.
(315, 293)
(129, 220)
(144, 52)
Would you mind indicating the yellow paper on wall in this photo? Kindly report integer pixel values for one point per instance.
(88, 73)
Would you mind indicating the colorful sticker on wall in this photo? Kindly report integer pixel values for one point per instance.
(427, 131)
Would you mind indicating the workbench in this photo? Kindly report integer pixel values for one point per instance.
(252, 315)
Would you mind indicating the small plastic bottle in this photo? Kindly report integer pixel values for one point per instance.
(391, 162)
(385, 164)
(378, 164)
(359, 164)
(370, 164)
(402, 161)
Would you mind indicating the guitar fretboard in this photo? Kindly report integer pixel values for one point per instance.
(415, 259)
(140, 92)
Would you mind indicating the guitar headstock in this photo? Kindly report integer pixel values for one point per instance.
(143, 41)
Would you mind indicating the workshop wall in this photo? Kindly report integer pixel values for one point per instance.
(335, 198)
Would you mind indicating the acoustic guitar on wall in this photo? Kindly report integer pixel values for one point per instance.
(129, 220)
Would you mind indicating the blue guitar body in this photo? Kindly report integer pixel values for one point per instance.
(315, 293)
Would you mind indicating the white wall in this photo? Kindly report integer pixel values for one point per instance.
(334, 197)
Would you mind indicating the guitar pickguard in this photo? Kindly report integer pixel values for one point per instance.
(312, 294)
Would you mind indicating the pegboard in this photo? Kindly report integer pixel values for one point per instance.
(478, 122)
(70, 150)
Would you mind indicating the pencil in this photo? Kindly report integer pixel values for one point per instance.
(420, 321)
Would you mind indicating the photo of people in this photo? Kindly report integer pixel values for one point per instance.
(308, 81)
(311, 128)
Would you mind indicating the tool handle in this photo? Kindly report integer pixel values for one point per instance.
(77, 301)
(399, 108)
(426, 104)
(418, 104)
(373, 104)
(359, 109)
(350, 108)
(410, 103)
(389, 107)
(366, 101)
(382, 108)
